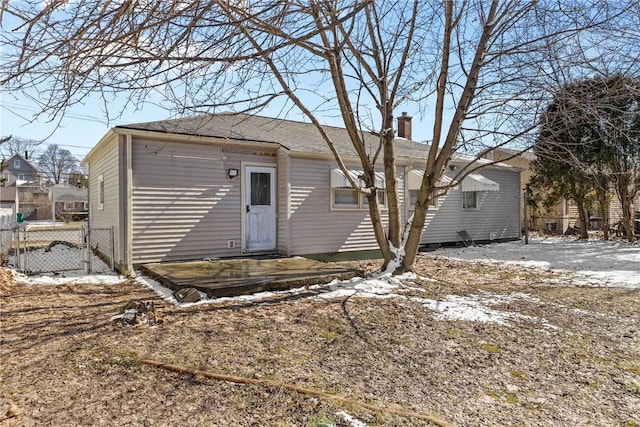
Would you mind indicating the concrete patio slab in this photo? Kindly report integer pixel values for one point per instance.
(233, 277)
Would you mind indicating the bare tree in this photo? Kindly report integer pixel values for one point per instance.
(57, 163)
(26, 148)
(484, 63)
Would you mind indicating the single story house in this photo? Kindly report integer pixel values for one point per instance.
(233, 184)
(69, 202)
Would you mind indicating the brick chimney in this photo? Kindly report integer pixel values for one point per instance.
(404, 126)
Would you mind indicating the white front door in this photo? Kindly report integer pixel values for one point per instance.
(260, 208)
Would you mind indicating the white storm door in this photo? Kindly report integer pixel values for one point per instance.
(260, 208)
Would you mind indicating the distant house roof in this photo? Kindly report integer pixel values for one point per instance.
(295, 136)
(527, 155)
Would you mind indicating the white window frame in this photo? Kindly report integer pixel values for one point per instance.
(475, 197)
(101, 193)
(16, 164)
(21, 177)
(85, 206)
(361, 199)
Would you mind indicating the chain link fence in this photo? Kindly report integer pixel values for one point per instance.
(57, 249)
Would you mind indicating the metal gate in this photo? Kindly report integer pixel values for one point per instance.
(59, 249)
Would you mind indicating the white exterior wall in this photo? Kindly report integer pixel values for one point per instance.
(107, 166)
(184, 205)
(498, 212)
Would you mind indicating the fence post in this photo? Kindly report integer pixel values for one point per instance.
(25, 267)
(87, 237)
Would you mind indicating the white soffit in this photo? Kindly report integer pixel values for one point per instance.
(414, 179)
(339, 180)
(477, 182)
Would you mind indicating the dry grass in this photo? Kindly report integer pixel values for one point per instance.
(64, 363)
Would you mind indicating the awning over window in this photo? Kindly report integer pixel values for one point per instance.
(414, 179)
(338, 179)
(477, 182)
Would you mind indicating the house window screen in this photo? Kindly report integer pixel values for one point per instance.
(260, 189)
(345, 197)
(469, 200)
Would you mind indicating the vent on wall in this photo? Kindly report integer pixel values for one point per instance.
(231, 244)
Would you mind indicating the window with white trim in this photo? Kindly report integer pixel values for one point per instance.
(101, 192)
(469, 200)
(16, 164)
(343, 196)
(21, 177)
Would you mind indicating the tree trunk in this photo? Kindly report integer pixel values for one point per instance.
(626, 201)
(582, 215)
(603, 208)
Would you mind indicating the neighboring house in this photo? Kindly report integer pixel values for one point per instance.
(230, 185)
(33, 195)
(19, 171)
(69, 202)
(565, 213)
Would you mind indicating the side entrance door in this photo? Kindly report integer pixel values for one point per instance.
(260, 209)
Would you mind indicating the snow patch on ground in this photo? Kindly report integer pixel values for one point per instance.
(477, 308)
(351, 421)
(612, 263)
(78, 277)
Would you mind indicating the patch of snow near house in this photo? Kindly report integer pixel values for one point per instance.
(71, 277)
(612, 263)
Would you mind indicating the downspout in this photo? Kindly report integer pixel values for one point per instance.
(129, 218)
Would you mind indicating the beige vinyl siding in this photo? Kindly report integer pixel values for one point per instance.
(107, 166)
(283, 200)
(315, 228)
(497, 214)
(184, 205)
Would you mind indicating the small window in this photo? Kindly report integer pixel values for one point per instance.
(16, 164)
(413, 199)
(345, 197)
(21, 177)
(101, 193)
(469, 200)
(85, 206)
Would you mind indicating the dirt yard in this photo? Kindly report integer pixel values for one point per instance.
(567, 356)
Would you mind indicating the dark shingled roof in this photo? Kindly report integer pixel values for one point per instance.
(296, 136)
